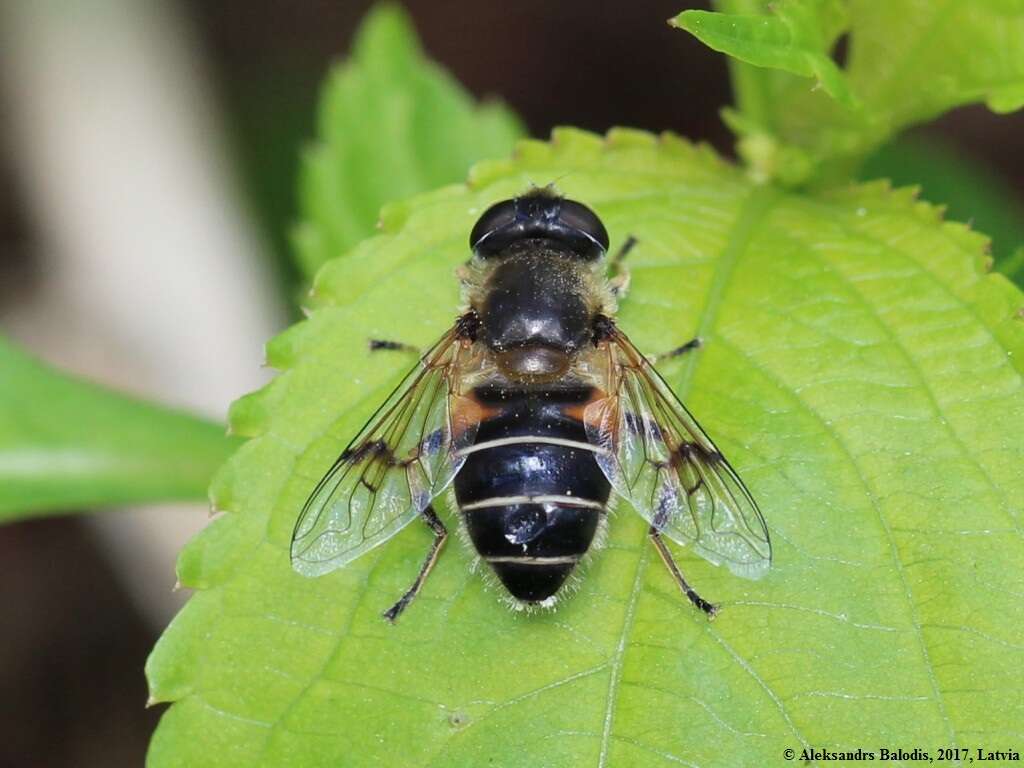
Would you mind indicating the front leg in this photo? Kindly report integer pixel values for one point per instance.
(618, 271)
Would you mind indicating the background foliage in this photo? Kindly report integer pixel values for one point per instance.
(906, 62)
(66, 444)
(391, 123)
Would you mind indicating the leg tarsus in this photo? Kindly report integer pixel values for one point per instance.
(440, 535)
(694, 343)
(710, 609)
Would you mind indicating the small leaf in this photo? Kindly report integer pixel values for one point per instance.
(861, 370)
(1006, 99)
(66, 444)
(392, 123)
(789, 41)
(907, 63)
(1013, 265)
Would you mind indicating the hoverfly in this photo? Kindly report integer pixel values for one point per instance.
(534, 406)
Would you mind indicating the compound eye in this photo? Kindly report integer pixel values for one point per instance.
(496, 217)
(577, 216)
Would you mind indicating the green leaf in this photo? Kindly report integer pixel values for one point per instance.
(392, 124)
(1013, 265)
(795, 39)
(908, 62)
(861, 370)
(66, 444)
(969, 191)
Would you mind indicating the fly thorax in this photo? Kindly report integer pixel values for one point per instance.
(534, 313)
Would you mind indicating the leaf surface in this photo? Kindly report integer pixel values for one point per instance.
(861, 371)
(967, 189)
(392, 123)
(66, 444)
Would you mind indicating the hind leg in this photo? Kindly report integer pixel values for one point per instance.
(677, 575)
(440, 535)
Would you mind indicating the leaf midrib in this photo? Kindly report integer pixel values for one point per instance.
(752, 210)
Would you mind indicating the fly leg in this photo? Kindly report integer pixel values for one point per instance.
(440, 534)
(376, 345)
(670, 563)
(619, 273)
(693, 343)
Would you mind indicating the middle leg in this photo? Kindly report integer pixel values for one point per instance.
(682, 349)
(376, 345)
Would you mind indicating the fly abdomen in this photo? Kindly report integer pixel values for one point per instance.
(531, 491)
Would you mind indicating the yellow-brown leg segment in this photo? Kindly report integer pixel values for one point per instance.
(670, 563)
(440, 535)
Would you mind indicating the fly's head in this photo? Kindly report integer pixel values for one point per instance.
(567, 225)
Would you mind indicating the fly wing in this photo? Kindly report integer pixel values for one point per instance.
(658, 458)
(404, 456)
